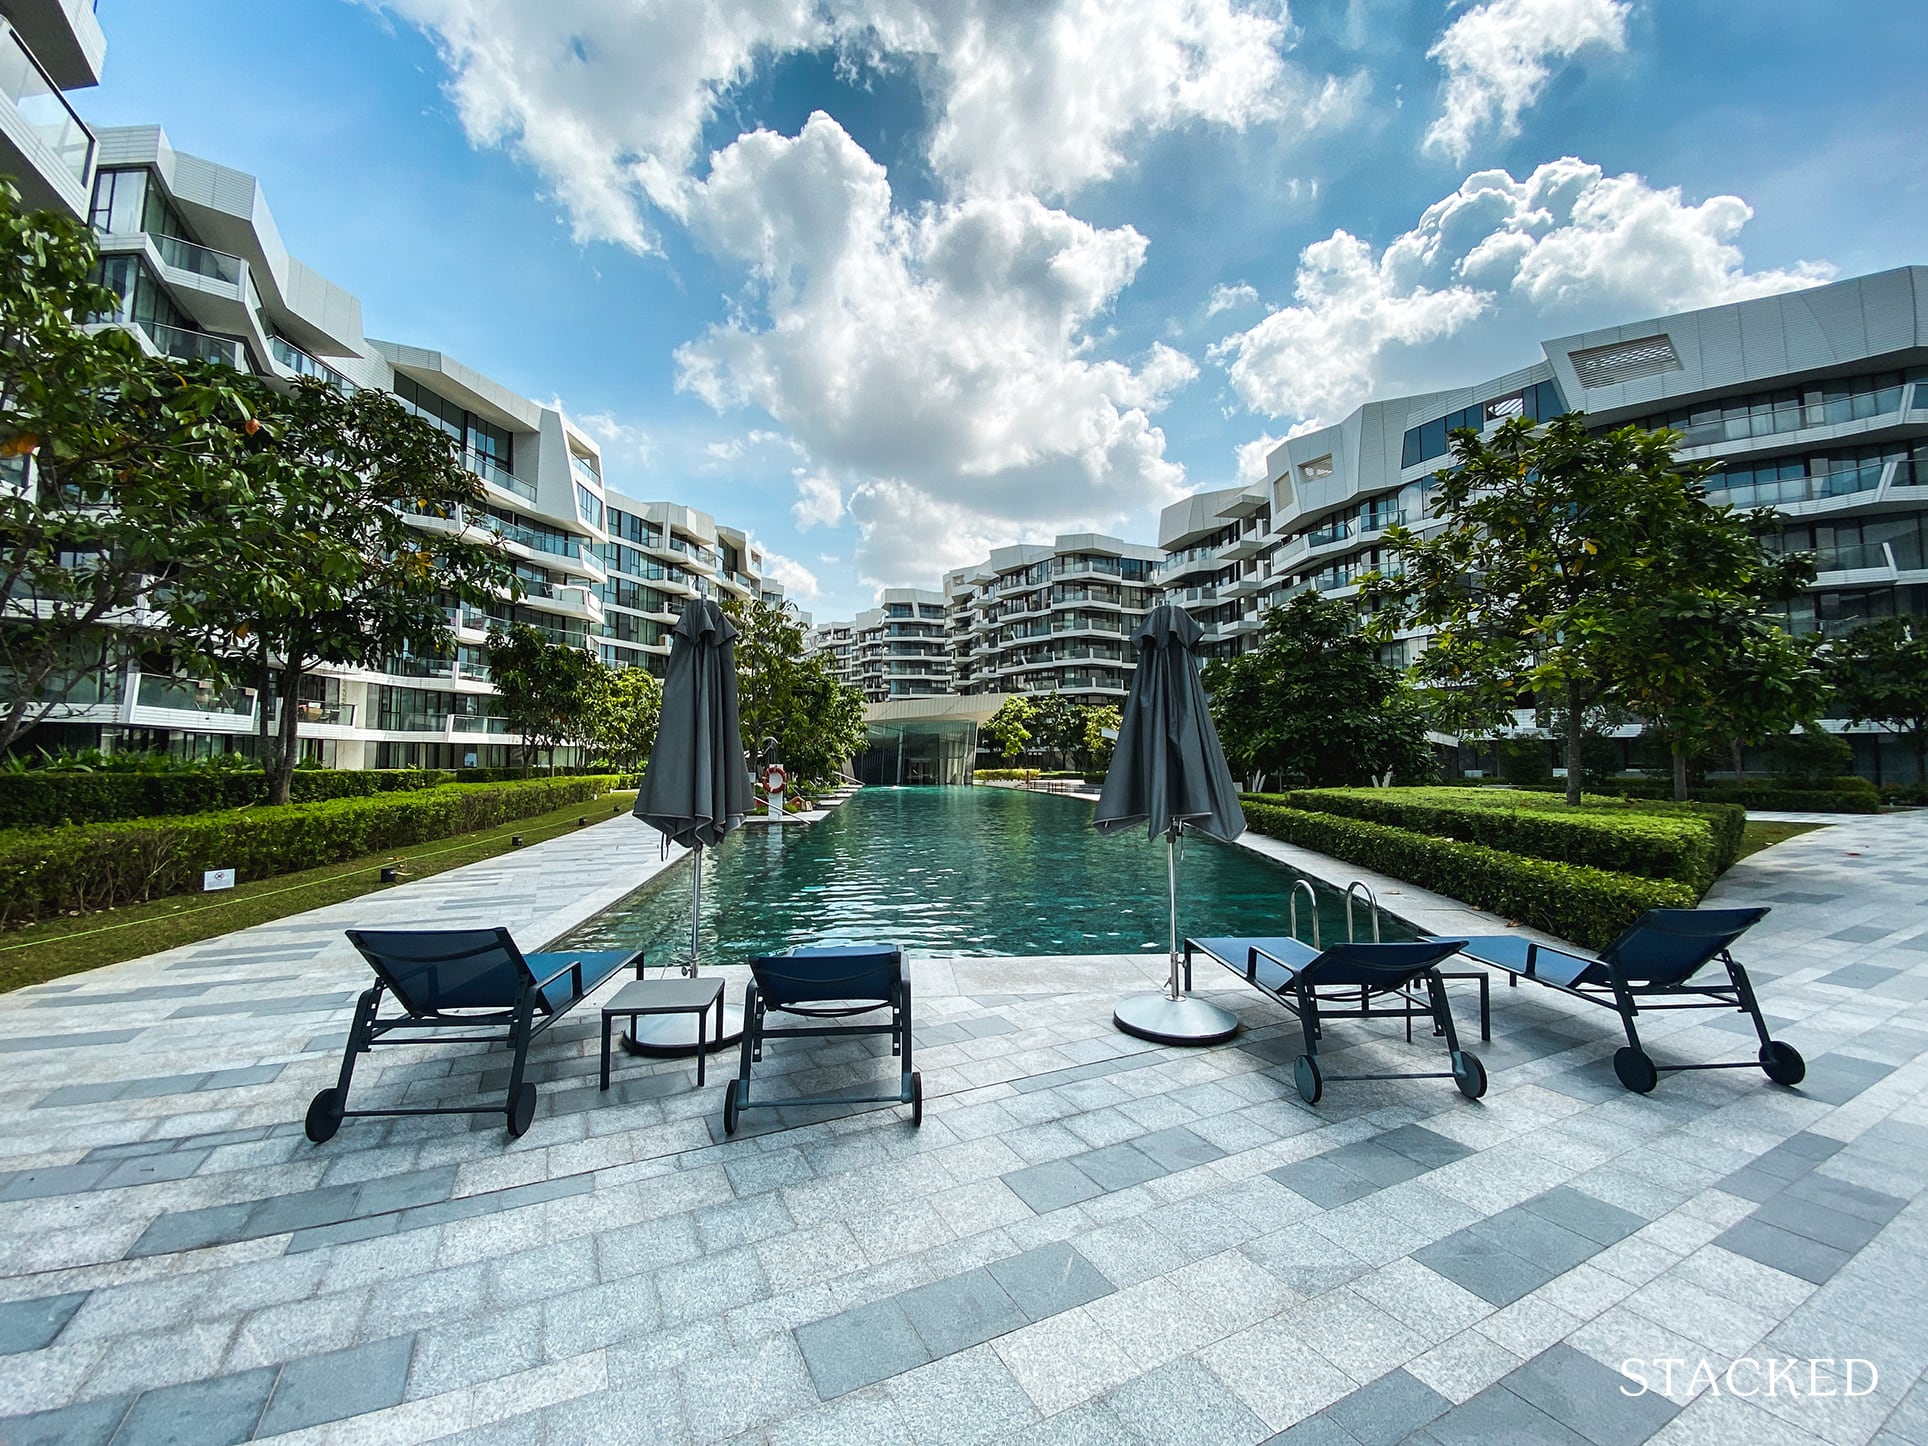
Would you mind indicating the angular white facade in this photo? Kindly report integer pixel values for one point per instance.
(48, 47)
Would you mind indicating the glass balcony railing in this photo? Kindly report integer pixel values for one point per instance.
(1844, 482)
(494, 473)
(43, 107)
(329, 715)
(202, 261)
(195, 346)
(187, 696)
(1331, 532)
(302, 365)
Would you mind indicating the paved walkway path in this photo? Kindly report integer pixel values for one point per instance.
(1088, 1240)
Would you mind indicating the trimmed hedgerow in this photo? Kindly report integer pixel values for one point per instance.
(1589, 906)
(1653, 845)
(1846, 794)
(46, 872)
(48, 798)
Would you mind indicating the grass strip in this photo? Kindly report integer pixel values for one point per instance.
(52, 948)
(1760, 834)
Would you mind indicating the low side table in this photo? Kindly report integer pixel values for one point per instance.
(667, 996)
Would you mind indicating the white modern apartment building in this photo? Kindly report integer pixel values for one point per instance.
(661, 556)
(1815, 403)
(892, 651)
(48, 47)
(192, 251)
(1050, 619)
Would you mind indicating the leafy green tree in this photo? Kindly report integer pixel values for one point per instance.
(619, 726)
(1059, 727)
(1009, 729)
(118, 472)
(1311, 704)
(788, 693)
(546, 690)
(1100, 718)
(1880, 676)
(1558, 545)
(322, 565)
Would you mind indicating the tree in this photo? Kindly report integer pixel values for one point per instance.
(1058, 726)
(321, 564)
(1312, 704)
(1556, 545)
(1100, 719)
(788, 693)
(117, 471)
(619, 725)
(546, 690)
(1880, 676)
(1009, 729)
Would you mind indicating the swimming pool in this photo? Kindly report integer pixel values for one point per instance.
(957, 871)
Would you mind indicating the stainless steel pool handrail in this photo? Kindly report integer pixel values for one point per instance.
(1356, 887)
(1307, 886)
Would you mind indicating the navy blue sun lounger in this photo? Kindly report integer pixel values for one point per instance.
(449, 984)
(1360, 981)
(828, 981)
(1653, 965)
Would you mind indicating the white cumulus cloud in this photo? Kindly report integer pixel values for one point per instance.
(800, 584)
(943, 356)
(1230, 298)
(1499, 57)
(608, 99)
(1567, 235)
(819, 503)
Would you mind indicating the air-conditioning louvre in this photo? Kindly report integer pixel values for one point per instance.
(1625, 361)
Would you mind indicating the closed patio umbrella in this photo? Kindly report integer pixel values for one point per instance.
(1168, 772)
(696, 787)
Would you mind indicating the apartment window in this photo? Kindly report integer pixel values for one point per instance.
(588, 506)
(1762, 414)
(143, 299)
(1433, 439)
(1317, 469)
(432, 408)
(127, 202)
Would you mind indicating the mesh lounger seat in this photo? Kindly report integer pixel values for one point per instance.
(1652, 966)
(451, 983)
(1351, 980)
(832, 981)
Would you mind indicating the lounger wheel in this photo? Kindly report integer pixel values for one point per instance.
(1305, 1074)
(1636, 1069)
(916, 1098)
(324, 1115)
(1782, 1063)
(729, 1108)
(1469, 1074)
(522, 1110)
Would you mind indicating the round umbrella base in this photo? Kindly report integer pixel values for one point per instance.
(675, 1034)
(1164, 1020)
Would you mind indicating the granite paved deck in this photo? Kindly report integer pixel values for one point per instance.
(1090, 1239)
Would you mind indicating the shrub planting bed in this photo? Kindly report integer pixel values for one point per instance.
(1573, 901)
(50, 871)
(1789, 795)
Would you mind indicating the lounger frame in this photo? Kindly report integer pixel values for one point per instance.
(516, 1024)
(773, 988)
(1312, 1002)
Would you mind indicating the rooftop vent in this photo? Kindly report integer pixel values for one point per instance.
(1318, 467)
(1625, 361)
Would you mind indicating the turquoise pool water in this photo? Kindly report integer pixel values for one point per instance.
(958, 871)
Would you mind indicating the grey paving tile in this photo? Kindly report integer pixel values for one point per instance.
(1323, 1181)
(1535, 1237)
(960, 1311)
(1375, 1163)
(1496, 1276)
(81, 1040)
(1584, 1215)
(399, 1192)
(90, 1423)
(178, 1230)
(1178, 1148)
(1784, 1250)
(281, 1214)
(338, 1385)
(53, 1180)
(1049, 1279)
(1181, 1404)
(1118, 1167)
(32, 1325)
(1846, 1198)
(1387, 1410)
(1817, 1221)
(1497, 1417)
(1836, 1078)
(1588, 1398)
(1861, 934)
(1052, 1185)
(149, 1169)
(1429, 1148)
(342, 1232)
(1316, 1430)
(216, 1412)
(1752, 1184)
(855, 1348)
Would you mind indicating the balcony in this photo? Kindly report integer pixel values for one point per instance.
(496, 475)
(195, 346)
(45, 113)
(1792, 491)
(225, 272)
(325, 715)
(286, 354)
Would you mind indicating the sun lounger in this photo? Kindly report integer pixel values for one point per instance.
(1360, 981)
(827, 982)
(1653, 965)
(451, 983)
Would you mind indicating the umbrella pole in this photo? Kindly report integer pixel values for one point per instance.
(696, 906)
(1171, 894)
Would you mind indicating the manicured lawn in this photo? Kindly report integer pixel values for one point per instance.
(54, 947)
(1760, 834)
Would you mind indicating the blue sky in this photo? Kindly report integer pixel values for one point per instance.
(892, 281)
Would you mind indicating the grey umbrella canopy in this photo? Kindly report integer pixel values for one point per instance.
(1168, 772)
(696, 787)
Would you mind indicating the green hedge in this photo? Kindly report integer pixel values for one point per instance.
(46, 872)
(1586, 905)
(1793, 795)
(1655, 846)
(44, 799)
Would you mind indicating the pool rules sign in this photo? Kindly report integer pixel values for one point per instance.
(214, 879)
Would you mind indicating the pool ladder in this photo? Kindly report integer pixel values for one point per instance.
(1355, 891)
